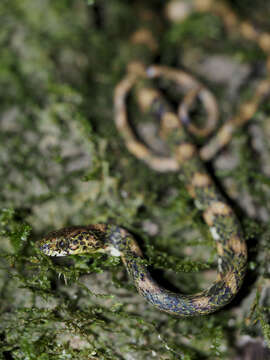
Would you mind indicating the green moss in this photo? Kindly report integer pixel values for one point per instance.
(63, 163)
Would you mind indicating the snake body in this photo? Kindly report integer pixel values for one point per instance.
(115, 240)
(187, 160)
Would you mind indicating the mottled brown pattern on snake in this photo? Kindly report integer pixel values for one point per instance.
(217, 213)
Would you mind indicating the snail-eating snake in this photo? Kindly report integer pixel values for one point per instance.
(218, 215)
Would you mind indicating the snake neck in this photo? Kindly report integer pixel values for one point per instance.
(119, 242)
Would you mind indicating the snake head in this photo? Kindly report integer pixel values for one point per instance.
(73, 240)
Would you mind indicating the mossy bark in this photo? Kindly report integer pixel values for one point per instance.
(63, 163)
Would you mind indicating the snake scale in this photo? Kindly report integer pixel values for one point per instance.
(188, 161)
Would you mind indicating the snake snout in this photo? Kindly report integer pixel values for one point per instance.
(45, 248)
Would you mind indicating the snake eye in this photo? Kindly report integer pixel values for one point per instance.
(62, 244)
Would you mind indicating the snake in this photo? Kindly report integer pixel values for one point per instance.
(188, 161)
(119, 242)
